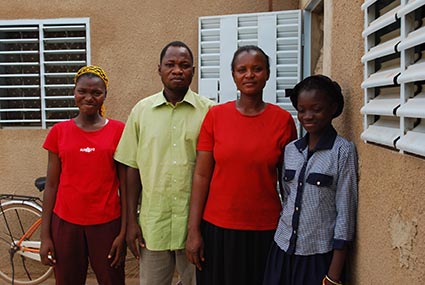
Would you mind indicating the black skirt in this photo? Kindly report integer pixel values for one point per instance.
(233, 257)
(291, 269)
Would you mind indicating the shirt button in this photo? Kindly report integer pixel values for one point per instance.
(175, 180)
(174, 162)
(318, 183)
(301, 184)
(174, 127)
(296, 208)
(295, 232)
(174, 144)
(175, 198)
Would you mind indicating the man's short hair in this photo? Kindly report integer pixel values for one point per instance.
(175, 44)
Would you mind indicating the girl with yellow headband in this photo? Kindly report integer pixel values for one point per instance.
(84, 199)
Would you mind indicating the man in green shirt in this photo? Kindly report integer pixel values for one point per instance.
(159, 147)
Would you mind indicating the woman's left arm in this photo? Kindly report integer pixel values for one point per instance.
(118, 248)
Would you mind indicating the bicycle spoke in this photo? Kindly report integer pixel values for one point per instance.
(21, 222)
(25, 268)
(6, 222)
(11, 254)
(6, 241)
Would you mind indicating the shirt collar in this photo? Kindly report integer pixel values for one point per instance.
(188, 98)
(326, 141)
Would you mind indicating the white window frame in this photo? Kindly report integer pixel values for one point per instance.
(50, 50)
(279, 34)
(307, 16)
(394, 109)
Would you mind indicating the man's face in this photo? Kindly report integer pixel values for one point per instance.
(176, 69)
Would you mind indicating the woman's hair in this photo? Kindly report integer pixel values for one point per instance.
(248, 49)
(322, 84)
(90, 71)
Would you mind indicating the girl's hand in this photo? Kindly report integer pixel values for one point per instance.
(118, 252)
(47, 252)
(328, 281)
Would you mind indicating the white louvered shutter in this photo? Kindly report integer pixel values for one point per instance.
(394, 65)
(38, 60)
(277, 33)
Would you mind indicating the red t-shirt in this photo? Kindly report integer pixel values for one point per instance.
(88, 187)
(247, 151)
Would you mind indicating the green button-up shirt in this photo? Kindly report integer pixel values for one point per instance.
(160, 140)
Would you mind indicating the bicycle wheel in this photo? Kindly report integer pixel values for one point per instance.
(15, 220)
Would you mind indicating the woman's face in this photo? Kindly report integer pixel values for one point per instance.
(89, 94)
(315, 111)
(250, 72)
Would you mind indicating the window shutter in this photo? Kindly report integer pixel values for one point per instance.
(209, 57)
(277, 33)
(394, 64)
(38, 60)
(412, 77)
(382, 66)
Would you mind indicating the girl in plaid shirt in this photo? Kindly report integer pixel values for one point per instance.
(319, 193)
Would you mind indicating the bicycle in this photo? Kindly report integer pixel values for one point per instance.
(20, 221)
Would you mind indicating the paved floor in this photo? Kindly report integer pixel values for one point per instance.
(132, 273)
(91, 280)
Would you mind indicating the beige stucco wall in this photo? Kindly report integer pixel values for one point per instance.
(391, 219)
(126, 39)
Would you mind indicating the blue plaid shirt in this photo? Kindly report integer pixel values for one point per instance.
(319, 196)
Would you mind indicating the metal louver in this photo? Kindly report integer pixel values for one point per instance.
(38, 59)
(394, 77)
(277, 33)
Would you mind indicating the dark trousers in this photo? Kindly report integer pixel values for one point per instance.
(75, 245)
(233, 257)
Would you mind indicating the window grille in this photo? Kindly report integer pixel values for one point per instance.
(38, 60)
(277, 33)
(394, 74)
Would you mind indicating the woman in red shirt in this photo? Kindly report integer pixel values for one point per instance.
(235, 205)
(84, 209)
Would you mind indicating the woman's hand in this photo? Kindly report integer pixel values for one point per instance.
(204, 168)
(134, 236)
(47, 252)
(118, 251)
(195, 248)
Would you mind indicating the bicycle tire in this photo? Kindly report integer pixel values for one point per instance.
(22, 271)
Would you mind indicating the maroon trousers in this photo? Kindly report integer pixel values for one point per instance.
(76, 245)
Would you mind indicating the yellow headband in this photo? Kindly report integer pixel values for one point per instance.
(92, 69)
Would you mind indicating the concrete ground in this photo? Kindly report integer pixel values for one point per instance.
(91, 280)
